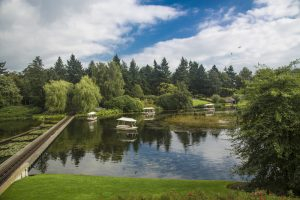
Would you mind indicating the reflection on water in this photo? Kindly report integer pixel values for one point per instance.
(155, 150)
(15, 127)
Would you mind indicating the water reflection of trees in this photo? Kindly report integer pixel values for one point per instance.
(106, 144)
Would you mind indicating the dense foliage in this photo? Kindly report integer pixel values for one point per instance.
(57, 95)
(268, 142)
(86, 95)
(175, 101)
(9, 92)
(125, 103)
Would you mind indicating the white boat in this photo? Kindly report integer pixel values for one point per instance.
(149, 111)
(91, 116)
(126, 124)
(209, 109)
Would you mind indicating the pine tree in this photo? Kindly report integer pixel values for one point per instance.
(60, 70)
(181, 73)
(2, 69)
(74, 70)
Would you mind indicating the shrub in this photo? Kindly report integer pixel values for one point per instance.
(175, 101)
(215, 98)
(125, 103)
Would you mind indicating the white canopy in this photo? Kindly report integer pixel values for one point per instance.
(126, 119)
(92, 113)
(149, 108)
(209, 104)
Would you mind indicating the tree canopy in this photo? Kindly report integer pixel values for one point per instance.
(9, 92)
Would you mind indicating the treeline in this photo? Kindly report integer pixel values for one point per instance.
(36, 83)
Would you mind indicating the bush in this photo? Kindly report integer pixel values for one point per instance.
(125, 103)
(215, 98)
(175, 101)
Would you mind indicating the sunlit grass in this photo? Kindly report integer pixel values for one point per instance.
(199, 102)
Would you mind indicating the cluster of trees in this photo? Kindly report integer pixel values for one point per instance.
(39, 86)
(268, 142)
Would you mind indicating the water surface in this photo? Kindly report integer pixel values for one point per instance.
(158, 150)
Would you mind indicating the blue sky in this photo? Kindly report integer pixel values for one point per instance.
(221, 32)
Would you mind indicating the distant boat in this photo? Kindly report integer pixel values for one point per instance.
(91, 116)
(126, 124)
(149, 111)
(209, 109)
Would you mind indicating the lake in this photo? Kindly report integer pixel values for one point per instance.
(158, 150)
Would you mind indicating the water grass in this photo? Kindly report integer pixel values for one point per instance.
(202, 121)
(18, 112)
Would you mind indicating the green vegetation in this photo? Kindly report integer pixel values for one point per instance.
(57, 95)
(125, 103)
(268, 142)
(62, 187)
(199, 102)
(176, 101)
(9, 92)
(18, 112)
(202, 121)
(104, 113)
(86, 95)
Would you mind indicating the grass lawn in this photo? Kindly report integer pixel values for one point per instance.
(18, 112)
(65, 187)
(199, 102)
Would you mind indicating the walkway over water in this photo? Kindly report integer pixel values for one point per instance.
(16, 167)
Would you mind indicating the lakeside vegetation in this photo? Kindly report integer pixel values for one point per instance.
(202, 121)
(61, 187)
(17, 112)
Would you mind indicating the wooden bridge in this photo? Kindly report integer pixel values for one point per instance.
(16, 167)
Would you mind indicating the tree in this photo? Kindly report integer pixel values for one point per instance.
(181, 73)
(57, 95)
(176, 101)
(86, 95)
(268, 142)
(9, 92)
(167, 88)
(147, 76)
(74, 70)
(244, 76)
(114, 84)
(137, 91)
(214, 81)
(125, 103)
(60, 70)
(134, 76)
(161, 73)
(2, 69)
(34, 78)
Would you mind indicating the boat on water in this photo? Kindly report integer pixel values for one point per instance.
(209, 109)
(126, 124)
(149, 111)
(91, 116)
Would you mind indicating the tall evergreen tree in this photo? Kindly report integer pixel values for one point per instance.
(193, 77)
(74, 70)
(126, 78)
(117, 60)
(92, 71)
(34, 79)
(182, 73)
(133, 73)
(147, 76)
(215, 83)
(2, 69)
(60, 70)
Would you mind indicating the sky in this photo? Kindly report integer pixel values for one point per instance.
(242, 33)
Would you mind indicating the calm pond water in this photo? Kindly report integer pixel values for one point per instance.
(15, 127)
(158, 150)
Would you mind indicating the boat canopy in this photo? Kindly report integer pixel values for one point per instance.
(149, 108)
(126, 119)
(209, 104)
(92, 113)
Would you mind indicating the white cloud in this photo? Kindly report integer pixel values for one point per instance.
(58, 28)
(269, 33)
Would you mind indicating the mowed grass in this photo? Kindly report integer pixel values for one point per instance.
(199, 102)
(79, 187)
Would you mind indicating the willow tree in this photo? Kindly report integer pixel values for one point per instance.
(268, 142)
(57, 95)
(86, 95)
(9, 92)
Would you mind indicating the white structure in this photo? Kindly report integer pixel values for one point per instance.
(209, 109)
(126, 124)
(91, 116)
(149, 111)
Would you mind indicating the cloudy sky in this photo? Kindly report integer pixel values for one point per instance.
(222, 32)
